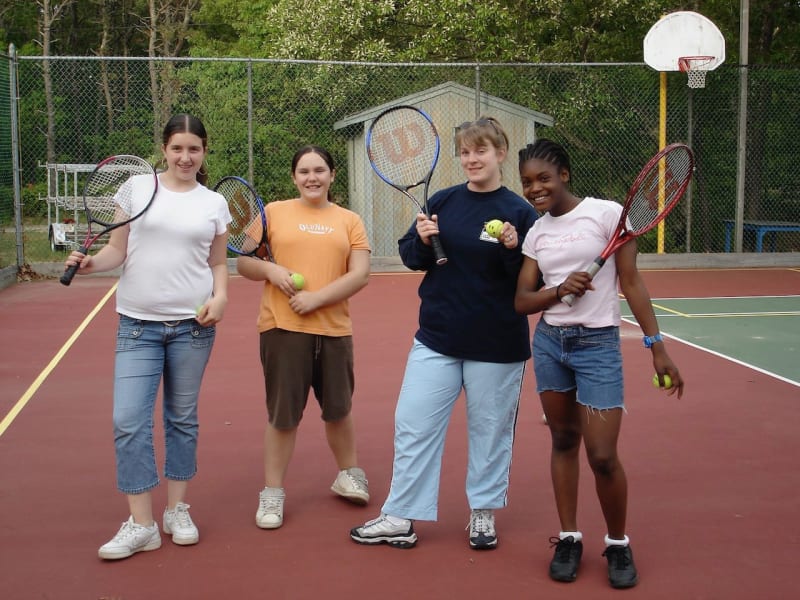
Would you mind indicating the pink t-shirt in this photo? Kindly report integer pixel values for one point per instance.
(568, 243)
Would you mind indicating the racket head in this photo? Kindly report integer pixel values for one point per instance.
(403, 147)
(658, 188)
(247, 231)
(118, 190)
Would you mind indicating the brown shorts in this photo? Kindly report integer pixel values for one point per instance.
(294, 363)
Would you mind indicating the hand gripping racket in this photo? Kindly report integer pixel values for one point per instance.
(403, 149)
(120, 189)
(247, 232)
(654, 193)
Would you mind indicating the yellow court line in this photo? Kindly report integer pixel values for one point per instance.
(669, 310)
(12, 414)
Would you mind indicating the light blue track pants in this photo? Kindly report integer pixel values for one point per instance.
(431, 386)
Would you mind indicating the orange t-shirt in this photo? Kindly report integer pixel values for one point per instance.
(316, 242)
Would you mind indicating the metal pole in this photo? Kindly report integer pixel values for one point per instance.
(15, 166)
(250, 159)
(690, 128)
(741, 161)
(477, 91)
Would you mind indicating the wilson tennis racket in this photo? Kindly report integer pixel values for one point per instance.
(654, 193)
(403, 149)
(247, 232)
(120, 189)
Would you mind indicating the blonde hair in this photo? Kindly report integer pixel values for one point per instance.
(481, 132)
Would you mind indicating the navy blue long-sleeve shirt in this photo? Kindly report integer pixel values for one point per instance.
(467, 305)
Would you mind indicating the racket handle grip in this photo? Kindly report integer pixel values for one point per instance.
(438, 251)
(69, 274)
(569, 299)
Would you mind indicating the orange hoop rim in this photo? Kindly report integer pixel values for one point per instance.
(694, 63)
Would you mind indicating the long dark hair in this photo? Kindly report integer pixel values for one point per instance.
(326, 156)
(185, 123)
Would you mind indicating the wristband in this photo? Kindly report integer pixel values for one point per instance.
(558, 287)
(649, 340)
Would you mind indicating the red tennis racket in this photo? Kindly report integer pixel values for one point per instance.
(654, 193)
(120, 189)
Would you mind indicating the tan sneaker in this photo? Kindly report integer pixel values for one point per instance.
(352, 484)
(270, 508)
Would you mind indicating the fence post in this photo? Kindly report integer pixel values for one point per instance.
(15, 154)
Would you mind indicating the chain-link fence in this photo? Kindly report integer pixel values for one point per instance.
(72, 112)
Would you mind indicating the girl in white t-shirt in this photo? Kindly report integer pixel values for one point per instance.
(172, 292)
(576, 350)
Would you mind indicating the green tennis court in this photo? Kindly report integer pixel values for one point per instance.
(762, 332)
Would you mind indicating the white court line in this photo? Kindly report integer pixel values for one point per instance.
(17, 408)
(725, 356)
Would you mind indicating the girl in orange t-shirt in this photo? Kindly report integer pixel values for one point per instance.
(306, 334)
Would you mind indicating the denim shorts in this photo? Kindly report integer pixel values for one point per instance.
(152, 354)
(588, 359)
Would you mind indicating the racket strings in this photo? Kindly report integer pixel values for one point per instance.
(403, 147)
(119, 189)
(659, 189)
(246, 228)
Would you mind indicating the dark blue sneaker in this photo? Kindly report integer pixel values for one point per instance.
(566, 560)
(621, 570)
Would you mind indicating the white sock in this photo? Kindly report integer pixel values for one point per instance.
(576, 535)
(399, 521)
(612, 542)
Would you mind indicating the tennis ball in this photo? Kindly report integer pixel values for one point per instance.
(494, 227)
(299, 281)
(667, 381)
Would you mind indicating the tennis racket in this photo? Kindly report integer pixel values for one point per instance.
(247, 232)
(654, 193)
(120, 189)
(403, 149)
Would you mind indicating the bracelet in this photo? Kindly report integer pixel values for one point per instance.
(558, 287)
(649, 340)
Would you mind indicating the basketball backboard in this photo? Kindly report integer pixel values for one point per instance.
(680, 34)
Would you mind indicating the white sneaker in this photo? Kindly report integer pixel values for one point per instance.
(130, 539)
(396, 532)
(178, 523)
(270, 508)
(482, 534)
(352, 484)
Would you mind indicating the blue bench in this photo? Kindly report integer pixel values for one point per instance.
(760, 228)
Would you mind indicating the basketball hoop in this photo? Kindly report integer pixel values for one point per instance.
(696, 68)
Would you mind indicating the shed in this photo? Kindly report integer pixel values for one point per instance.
(387, 214)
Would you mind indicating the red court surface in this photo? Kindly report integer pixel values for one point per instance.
(714, 483)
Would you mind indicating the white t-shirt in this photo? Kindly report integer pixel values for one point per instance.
(165, 275)
(568, 243)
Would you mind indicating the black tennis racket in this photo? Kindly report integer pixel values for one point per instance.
(654, 193)
(403, 149)
(247, 232)
(120, 189)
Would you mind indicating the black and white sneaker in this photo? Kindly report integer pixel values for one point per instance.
(482, 535)
(384, 531)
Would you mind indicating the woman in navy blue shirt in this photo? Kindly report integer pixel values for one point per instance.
(469, 338)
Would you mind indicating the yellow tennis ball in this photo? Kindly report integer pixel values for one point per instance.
(494, 228)
(299, 281)
(667, 381)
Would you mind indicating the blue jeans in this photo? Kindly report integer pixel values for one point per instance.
(431, 386)
(147, 352)
(583, 358)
